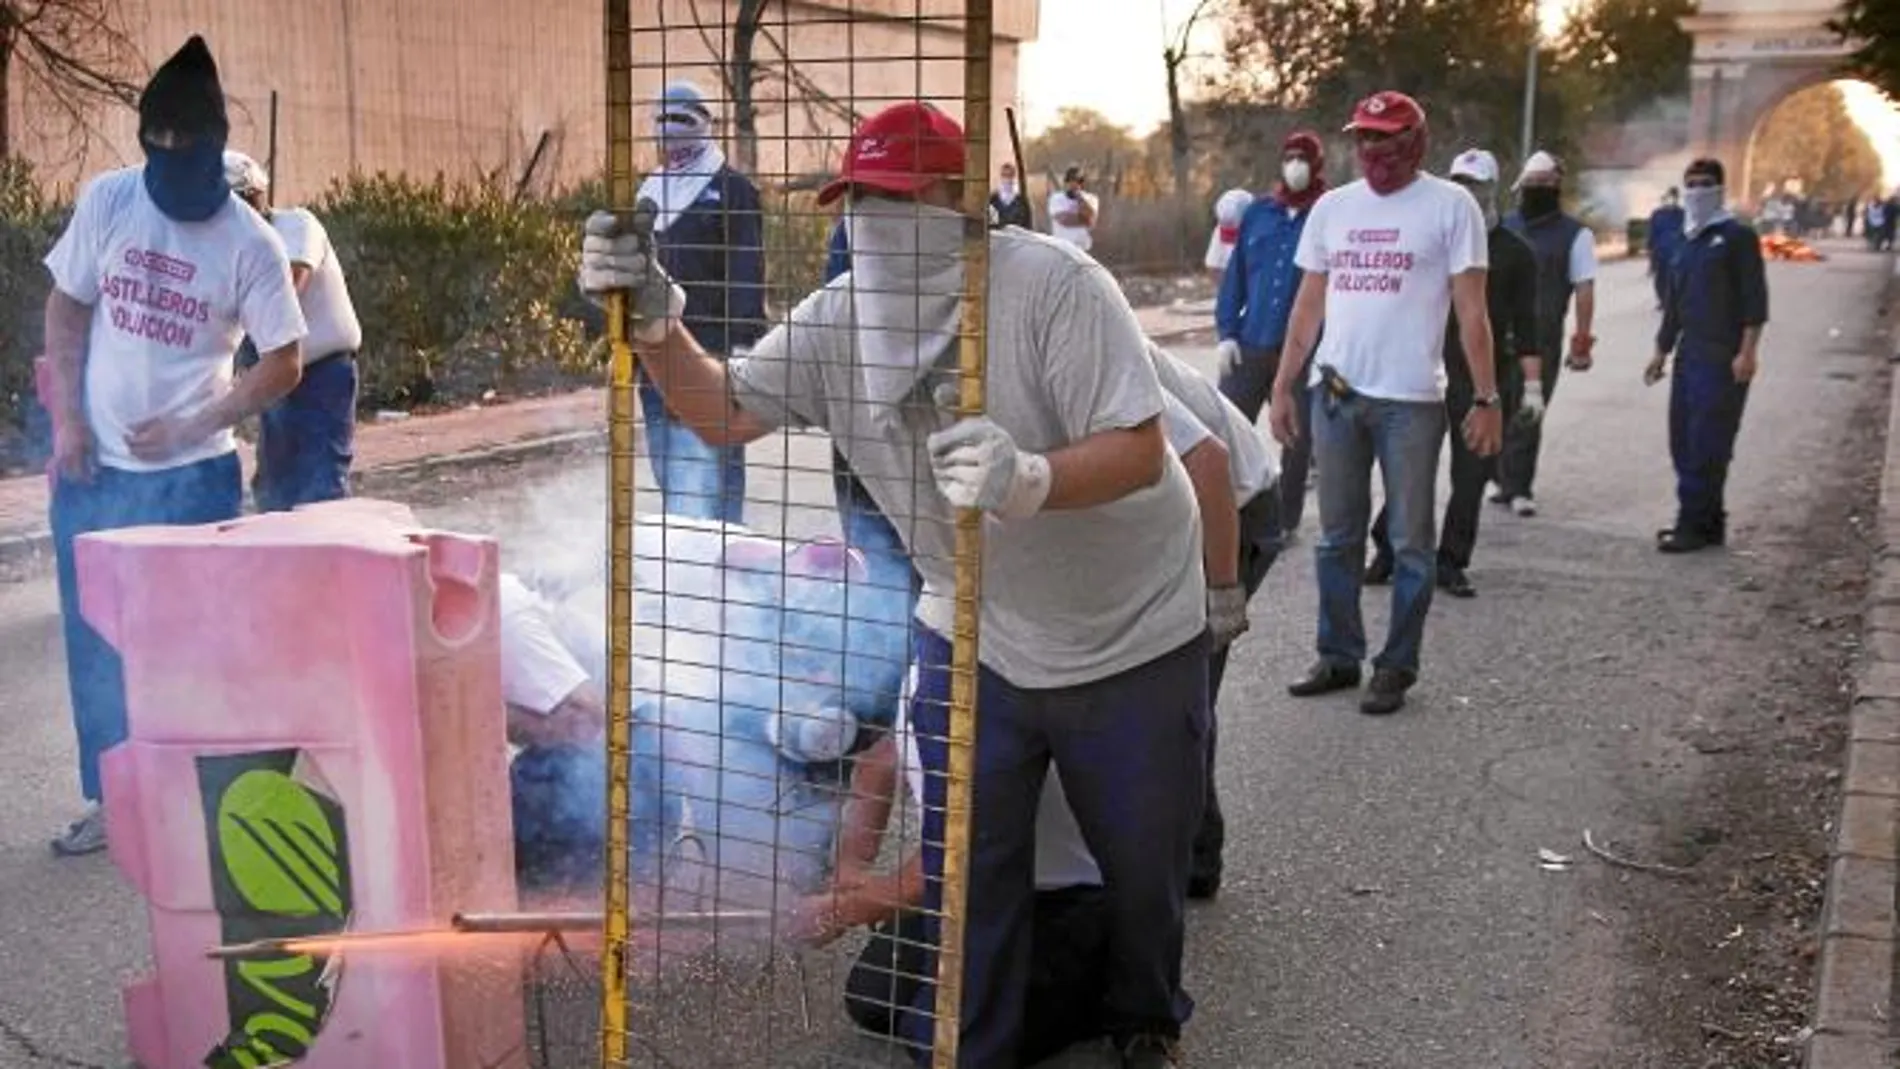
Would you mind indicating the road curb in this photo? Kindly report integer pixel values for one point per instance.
(1852, 1026)
(32, 551)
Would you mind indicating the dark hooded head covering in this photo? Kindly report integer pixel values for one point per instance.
(184, 96)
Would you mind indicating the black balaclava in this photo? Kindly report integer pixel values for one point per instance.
(184, 99)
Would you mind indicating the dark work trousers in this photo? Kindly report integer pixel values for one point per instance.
(1132, 750)
(1517, 465)
(1068, 968)
(1250, 386)
(1469, 473)
(305, 442)
(1260, 545)
(1705, 413)
(208, 491)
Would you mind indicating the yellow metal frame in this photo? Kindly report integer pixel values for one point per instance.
(615, 1035)
(617, 893)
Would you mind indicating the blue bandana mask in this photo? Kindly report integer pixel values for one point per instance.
(187, 183)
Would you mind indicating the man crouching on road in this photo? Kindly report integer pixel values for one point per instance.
(1386, 259)
(1094, 651)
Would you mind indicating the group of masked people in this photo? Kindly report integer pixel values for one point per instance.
(184, 304)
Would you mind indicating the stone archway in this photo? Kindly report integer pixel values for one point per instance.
(1749, 56)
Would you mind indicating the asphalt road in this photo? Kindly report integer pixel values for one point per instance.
(1384, 906)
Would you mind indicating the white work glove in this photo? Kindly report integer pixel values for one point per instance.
(1531, 409)
(615, 257)
(1227, 613)
(1229, 352)
(977, 465)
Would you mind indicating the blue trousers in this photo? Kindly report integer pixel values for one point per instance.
(1705, 413)
(869, 531)
(209, 491)
(1404, 438)
(1132, 753)
(705, 482)
(305, 441)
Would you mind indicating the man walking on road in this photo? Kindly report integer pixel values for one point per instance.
(1511, 296)
(156, 280)
(1008, 205)
(304, 444)
(1094, 650)
(1073, 210)
(1566, 268)
(1714, 308)
(1665, 237)
(1256, 303)
(1387, 258)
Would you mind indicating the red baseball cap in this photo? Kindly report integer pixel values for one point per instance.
(901, 149)
(1388, 112)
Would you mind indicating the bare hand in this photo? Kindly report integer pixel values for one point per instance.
(157, 440)
(1658, 364)
(1484, 430)
(1283, 420)
(1582, 346)
(1745, 367)
(73, 451)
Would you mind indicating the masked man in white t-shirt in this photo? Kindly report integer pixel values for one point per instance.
(1094, 614)
(1073, 210)
(1385, 258)
(304, 443)
(158, 277)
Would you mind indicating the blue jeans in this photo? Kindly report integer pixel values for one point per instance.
(305, 441)
(209, 491)
(697, 480)
(1250, 386)
(867, 530)
(1404, 437)
(1132, 753)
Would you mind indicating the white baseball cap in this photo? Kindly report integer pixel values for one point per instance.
(1541, 164)
(244, 174)
(1475, 164)
(1231, 206)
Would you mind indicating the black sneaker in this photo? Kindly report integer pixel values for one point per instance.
(1502, 496)
(1453, 580)
(1379, 572)
(1204, 888)
(1324, 678)
(1681, 540)
(1151, 1052)
(1386, 693)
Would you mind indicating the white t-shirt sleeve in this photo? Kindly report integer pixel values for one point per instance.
(1096, 357)
(1470, 245)
(1218, 252)
(1583, 257)
(74, 261)
(1312, 255)
(304, 237)
(537, 671)
(268, 310)
(1180, 426)
(778, 381)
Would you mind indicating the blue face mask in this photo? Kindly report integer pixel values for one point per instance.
(187, 183)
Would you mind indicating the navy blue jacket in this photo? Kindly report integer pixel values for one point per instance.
(1665, 237)
(1716, 288)
(1256, 292)
(715, 250)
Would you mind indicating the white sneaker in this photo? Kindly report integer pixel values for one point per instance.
(87, 835)
(1524, 506)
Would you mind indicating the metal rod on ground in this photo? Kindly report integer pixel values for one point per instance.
(476, 925)
(972, 357)
(270, 167)
(617, 900)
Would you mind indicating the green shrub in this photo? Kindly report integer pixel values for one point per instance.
(30, 221)
(461, 289)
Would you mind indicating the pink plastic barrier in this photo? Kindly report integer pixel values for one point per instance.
(316, 745)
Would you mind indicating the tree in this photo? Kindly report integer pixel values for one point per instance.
(1876, 25)
(1810, 137)
(1174, 54)
(68, 56)
(741, 72)
(1618, 57)
(1085, 138)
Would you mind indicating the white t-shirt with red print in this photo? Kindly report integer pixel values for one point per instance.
(170, 302)
(1389, 263)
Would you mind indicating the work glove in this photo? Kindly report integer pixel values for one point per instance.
(1229, 352)
(1226, 613)
(977, 465)
(619, 257)
(1531, 409)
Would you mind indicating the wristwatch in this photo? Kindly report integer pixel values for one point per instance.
(1489, 400)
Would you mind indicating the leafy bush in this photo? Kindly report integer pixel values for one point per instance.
(461, 289)
(30, 221)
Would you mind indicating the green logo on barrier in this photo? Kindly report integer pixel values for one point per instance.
(279, 870)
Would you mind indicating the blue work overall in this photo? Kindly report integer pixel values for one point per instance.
(1716, 289)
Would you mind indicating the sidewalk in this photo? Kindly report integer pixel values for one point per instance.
(469, 435)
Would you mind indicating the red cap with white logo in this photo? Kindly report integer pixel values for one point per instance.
(901, 150)
(1388, 112)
